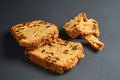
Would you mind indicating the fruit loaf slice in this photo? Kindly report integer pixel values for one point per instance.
(58, 56)
(34, 33)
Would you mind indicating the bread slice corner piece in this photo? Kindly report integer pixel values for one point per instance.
(34, 33)
(81, 26)
(58, 56)
(94, 42)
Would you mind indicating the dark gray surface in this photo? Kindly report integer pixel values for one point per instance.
(102, 65)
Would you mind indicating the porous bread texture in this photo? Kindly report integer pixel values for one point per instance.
(58, 56)
(95, 43)
(81, 26)
(35, 33)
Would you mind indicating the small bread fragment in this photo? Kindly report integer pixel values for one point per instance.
(81, 26)
(84, 28)
(34, 33)
(58, 56)
(94, 41)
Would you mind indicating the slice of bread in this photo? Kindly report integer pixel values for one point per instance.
(35, 33)
(58, 56)
(94, 42)
(81, 26)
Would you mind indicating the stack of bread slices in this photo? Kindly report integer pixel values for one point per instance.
(43, 47)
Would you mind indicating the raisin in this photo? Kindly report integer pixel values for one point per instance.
(43, 51)
(66, 42)
(53, 42)
(64, 68)
(54, 61)
(42, 22)
(51, 53)
(48, 57)
(94, 22)
(78, 20)
(47, 26)
(94, 27)
(74, 47)
(38, 24)
(62, 44)
(57, 58)
(18, 26)
(84, 19)
(34, 25)
(17, 30)
(74, 25)
(66, 51)
(21, 28)
(22, 37)
(49, 44)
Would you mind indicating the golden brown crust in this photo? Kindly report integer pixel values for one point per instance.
(94, 42)
(80, 26)
(58, 56)
(34, 33)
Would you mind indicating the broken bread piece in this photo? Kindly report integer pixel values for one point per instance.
(58, 56)
(81, 26)
(94, 42)
(35, 33)
(85, 28)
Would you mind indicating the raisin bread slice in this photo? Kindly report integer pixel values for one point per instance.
(34, 33)
(81, 26)
(57, 56)
(94, 41)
